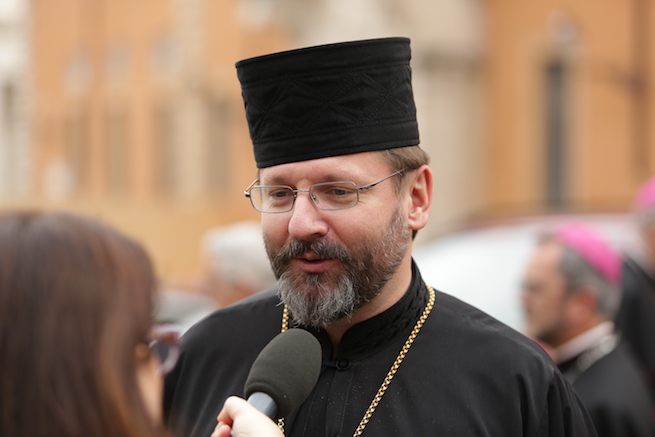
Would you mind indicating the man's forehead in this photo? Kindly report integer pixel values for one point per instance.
(546, 259)
(342, 167)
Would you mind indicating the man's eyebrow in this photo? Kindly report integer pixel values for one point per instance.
(274, 181)
(330, 177)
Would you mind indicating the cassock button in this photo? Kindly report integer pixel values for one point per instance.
(343, 364)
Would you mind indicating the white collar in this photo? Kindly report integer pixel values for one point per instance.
(582, 342)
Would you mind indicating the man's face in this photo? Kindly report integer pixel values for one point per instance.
(329, 263)
(544, 296)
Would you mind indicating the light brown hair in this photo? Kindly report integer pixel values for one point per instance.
(405, 158)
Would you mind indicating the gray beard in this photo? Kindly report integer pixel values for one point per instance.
(325, 304)
(319, 299)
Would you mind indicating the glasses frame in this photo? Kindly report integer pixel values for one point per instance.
(313, 198)
(165, 337)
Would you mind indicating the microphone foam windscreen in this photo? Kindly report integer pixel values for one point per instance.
(286, 369)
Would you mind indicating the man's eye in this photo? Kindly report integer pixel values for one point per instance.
(279, 194)
(335, 190)
(530, 288)
(339, 191)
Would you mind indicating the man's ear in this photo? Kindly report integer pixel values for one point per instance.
(420, 197)
(583, 304)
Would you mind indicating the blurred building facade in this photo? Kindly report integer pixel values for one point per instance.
(137, 116)
(569, 103)
(131, 111)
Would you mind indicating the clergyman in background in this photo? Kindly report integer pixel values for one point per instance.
(571, 292)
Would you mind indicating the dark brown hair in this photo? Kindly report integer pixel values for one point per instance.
(76, 298)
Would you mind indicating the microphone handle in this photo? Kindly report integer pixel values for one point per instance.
(264, 403)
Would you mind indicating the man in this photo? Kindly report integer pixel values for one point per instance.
(570, 295)
(636, 317)
(343, 187)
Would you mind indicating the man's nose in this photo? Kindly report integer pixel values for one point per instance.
(306, 220)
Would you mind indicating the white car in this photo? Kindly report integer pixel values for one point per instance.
(483, 264)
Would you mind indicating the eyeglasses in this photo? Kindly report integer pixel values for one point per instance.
(164, 344)
(326, 196)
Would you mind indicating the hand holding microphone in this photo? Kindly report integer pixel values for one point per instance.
(280, 379)
(238, 418)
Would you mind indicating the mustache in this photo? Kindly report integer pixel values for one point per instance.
(324, 249)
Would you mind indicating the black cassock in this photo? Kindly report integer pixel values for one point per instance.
(465, 375)
(635, 320)
(614, 391)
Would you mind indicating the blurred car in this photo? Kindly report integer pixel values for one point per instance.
(483, 263)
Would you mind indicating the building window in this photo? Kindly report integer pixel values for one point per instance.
(557, 126)
(77, 74)
(8, 108)
(163, 148)
(217, 145)
(117, 152)
(8, 143)
(77, 136)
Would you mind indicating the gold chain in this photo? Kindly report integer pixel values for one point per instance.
(394, 368)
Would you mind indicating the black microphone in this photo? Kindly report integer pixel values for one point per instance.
(284, 373)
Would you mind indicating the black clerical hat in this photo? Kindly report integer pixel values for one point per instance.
(329, 100)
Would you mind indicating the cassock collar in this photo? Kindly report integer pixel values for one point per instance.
(637, 261)
(365, 338)
(576, 346)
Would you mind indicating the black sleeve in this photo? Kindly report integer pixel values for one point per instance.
(564, 414)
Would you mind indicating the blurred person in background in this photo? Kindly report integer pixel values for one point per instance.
(636, 317)
(79, 355)
(234, 266)
(571, 292)
(180, 307)
(235, 263)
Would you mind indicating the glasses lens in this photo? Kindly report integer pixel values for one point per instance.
(272, 198)
(334, 195)
(165, 345)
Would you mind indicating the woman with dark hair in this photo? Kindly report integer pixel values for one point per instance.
(76, 333)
